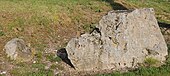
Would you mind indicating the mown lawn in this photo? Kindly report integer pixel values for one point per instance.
(46, 25)
(162, 7)
(41, 22)
(51, 24)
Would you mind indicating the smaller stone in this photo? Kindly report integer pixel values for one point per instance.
(16, 49)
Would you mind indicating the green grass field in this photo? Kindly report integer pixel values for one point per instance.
(162, 7)
(52, 23)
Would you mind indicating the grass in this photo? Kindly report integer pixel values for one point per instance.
(150, 61)
(36, 69)
(52, 23)
(45, 24)
(144, 71)
(53, 58)
(41, 73)
(1, 32)
(46, 19)
(88, 27)
(38, 65)
(161, 7)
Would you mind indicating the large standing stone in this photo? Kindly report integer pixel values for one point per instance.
(17, 49)
(124, 39)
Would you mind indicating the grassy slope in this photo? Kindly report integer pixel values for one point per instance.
(162, 7)
(51, 23)
(41, 22)
(44, 24)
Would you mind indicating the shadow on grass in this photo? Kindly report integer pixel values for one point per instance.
(164, 25)
(115, 5)
(62, 53)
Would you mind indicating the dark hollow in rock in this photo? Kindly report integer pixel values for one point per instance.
(62, 53)
(96, 29)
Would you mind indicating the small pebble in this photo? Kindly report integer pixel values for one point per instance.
(55, 50)
(34, 61)
(3, 72)
(47, 67)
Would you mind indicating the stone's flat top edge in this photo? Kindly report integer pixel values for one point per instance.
(121, 11)
(130, 10)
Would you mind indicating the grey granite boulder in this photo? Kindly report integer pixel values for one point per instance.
(124, 39)
(16, 49)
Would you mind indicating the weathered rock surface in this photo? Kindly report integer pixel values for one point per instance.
(17, 49)
(124, 39)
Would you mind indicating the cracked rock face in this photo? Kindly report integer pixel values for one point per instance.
(125, 39)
